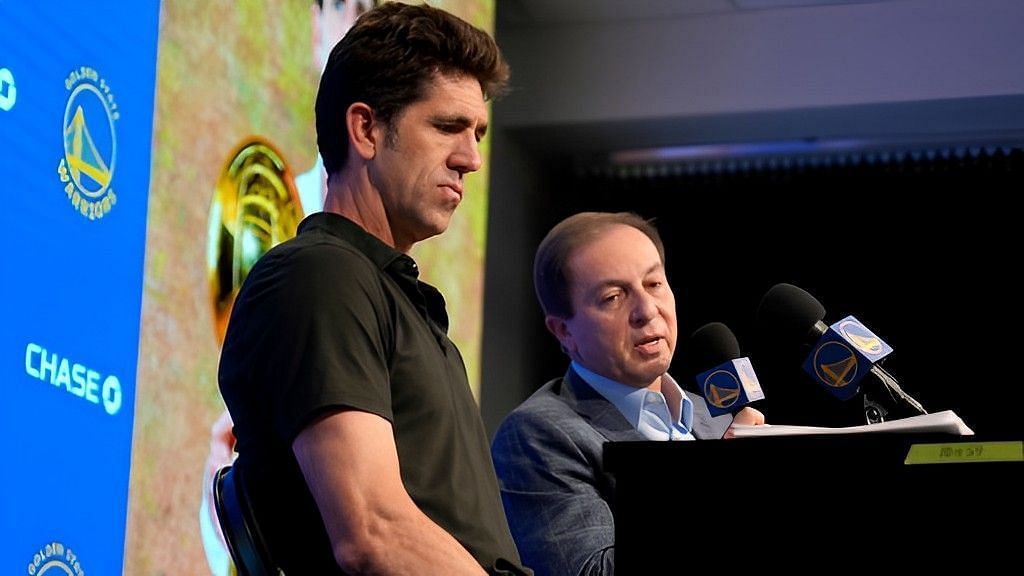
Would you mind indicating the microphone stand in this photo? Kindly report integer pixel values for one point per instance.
(890, 383)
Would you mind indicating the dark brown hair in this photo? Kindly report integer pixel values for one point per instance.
(387, 61)
(551, 278)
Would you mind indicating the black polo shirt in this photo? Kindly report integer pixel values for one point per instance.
(335, 318)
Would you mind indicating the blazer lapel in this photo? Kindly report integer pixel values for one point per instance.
(602, 414)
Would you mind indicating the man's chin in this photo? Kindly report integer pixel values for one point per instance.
(649, 373)
(433, 228)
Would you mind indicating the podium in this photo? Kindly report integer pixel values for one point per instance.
(817, 504)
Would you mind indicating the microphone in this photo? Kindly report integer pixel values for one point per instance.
(725, 379)
(841, 356)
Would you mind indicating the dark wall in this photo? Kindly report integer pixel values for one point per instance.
(918, 245)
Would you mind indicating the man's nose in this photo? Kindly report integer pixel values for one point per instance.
(466, 157)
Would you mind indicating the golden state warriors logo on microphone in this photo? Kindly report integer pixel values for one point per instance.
(721, 388)
(835, 364)
(857, 334)
(90, 143)
(843, 355)
(730, 385)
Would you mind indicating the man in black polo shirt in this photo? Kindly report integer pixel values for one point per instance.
(357, 435)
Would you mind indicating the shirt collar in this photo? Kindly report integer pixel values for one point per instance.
(629, 400)
(400, 267)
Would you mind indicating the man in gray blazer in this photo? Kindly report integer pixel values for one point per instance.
(600, 278)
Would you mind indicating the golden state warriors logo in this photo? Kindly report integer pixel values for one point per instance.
(90, 143)
(55, 559)
(722, 388)
(857, 334)
(835, 364)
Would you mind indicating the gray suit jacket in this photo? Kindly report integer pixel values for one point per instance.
(558, 499)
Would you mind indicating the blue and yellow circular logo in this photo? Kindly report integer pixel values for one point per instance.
(835, 364)
(90, 143)
(722, 388)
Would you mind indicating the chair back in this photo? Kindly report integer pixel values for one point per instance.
(248, 549)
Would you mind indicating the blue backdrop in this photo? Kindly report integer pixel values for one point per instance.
(76, 116)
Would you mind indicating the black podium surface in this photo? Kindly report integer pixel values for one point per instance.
(817, 504)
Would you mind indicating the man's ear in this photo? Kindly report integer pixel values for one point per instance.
(560, 329)
(360, 121)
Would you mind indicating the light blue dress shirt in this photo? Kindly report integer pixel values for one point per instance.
(646, 410)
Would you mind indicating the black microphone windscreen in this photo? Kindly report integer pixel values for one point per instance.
(712, 344)
(788, 314)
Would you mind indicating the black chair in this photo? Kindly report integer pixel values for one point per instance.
(248, 550)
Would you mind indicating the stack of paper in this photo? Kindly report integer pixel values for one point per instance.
(941, 422)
